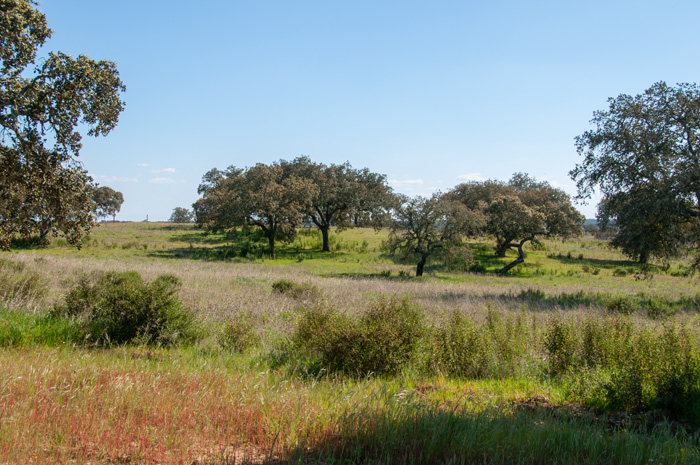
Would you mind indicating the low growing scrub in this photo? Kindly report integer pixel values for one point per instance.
(295, 290)
(382, 341)
(238, 334)
(121, 307)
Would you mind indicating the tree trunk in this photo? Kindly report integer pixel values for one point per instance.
(326, 242)
(644, 257)
(501, 249)
(517, 261)
(271, 241)
(421, 265)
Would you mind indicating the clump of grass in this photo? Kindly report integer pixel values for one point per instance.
(19, 287)
(622, 304)
(121, 307)
(659, 370)
(238, 333)
(382, 341)
(296, 290)
(22, 329)
(461, 349)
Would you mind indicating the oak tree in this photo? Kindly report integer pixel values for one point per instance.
(270, 197)
(423, 227)
(42, 186)
(108, 202)
(643, 156)
(343, 193)
(181, 215)
(520, 211)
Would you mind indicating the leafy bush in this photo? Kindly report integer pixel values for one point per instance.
(120, 307)
(622, 304)
(382, 341)
(462, 349)
(620, 272)
(295, 290)
(561, 344)
(659, 371)
(238, 334)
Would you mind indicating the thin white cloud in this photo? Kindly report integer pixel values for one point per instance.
(143, 165)
(405, 182)
(104, 178)
(164, 170)
(162, 181)
(472, 177)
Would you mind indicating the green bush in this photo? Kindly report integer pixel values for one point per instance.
(660, 370)
(295, 290)
(462, 349)
(382, 341)
(121, 307)
(561, 344)
(238, 333)
(622, 304)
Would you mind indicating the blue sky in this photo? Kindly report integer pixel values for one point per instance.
(428, 93)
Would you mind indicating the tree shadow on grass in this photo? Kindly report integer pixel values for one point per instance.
(401, 430)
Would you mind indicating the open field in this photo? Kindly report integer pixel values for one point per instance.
(531, 393)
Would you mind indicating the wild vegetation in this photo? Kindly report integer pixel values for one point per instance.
(579, 356)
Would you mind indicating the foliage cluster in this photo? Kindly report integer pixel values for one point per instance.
(497, 348)
(296, 290)
(119, 307)
(383, 341)
(643, 157)
(239, 333)
(42, 187)
(620, 366)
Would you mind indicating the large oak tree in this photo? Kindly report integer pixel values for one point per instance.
(42, 186)
(271, 197)
(342, 194)
(423, 227)
(643, 156)
(520, 211)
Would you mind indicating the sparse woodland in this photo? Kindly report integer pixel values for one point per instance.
(312, 315)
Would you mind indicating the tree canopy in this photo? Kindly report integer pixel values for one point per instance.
(41, 183)
(271, 197)
(108, 202)
(520, 211)
(643, 156)
(181, 215)
(422, 227)
(342, 193)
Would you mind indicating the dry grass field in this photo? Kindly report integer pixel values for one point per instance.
(532, 393)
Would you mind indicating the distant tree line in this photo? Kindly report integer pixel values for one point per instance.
(280, 197)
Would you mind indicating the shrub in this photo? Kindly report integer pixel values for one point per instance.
(462, 349)
(382, 341)
(295, 290)
(659, 371)
(120, 307)
(238, 333)
(561, 344)
(622, 304)
(620, 272)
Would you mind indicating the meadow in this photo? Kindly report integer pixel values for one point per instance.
(576, 356)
